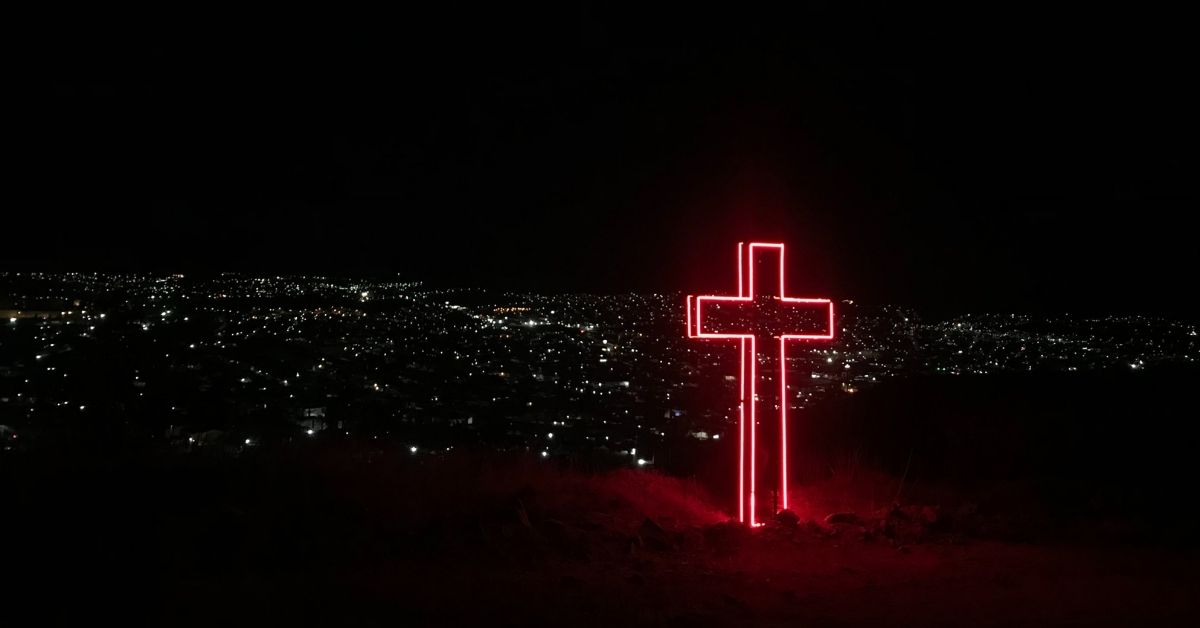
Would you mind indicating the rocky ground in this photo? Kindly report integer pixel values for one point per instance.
(632, 548)
(894, 570)
(340, 539)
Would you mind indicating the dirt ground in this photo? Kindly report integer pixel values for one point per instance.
(328, 540)
(633, 548)
(765, 581)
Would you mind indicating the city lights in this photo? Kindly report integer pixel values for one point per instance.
(430, 369)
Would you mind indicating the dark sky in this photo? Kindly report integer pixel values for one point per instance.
(1006, 159)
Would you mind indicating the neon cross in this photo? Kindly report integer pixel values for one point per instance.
(749, 317)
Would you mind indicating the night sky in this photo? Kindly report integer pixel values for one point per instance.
(1018, 160)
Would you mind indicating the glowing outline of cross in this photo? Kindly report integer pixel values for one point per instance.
(695, 330)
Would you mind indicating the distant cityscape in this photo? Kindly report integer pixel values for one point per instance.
(235, 362)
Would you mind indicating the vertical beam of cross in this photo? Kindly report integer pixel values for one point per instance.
(752, 315)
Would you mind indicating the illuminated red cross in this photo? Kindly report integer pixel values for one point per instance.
(755, 320)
